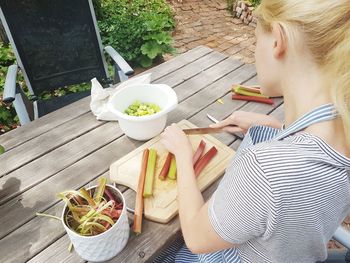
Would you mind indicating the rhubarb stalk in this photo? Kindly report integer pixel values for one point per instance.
(204, 160)
(199, 152)
(243, 91)
(172, 169)
(252, 98)
(164, 172)
(255, 89)
(151, 164)
(139, 194)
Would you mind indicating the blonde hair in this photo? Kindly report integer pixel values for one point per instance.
(325, 26)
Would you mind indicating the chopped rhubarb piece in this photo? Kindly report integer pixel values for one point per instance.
(139, 194)
(172, 169)
(199, 152)
(252, 98)
(165, 170)
(151, 164)
(204, 160)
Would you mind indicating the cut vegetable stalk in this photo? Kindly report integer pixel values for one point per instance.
(254, 89)
(242, 91)
(204, 160)
(172, 169)
(199, 152)
(151, 164)
(139, 194)
(165, 170)
(98, 194)
(252, 98)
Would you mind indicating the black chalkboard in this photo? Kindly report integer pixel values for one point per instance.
(56, 41)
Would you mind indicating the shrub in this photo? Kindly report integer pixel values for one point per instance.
(255, 2)
(138, 29)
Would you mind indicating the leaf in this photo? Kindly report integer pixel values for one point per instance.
(151, 49)
(145, 61)
(161, 38)
(100, 189)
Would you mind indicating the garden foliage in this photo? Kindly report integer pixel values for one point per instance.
(140, 30)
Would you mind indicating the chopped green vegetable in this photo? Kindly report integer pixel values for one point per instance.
(151, 165)
(172, 169)
(139, 108)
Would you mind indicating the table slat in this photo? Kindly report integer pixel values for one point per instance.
(41, 145)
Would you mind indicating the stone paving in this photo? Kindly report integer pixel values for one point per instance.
(208, 22)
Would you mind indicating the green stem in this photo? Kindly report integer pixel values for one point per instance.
(50, 216)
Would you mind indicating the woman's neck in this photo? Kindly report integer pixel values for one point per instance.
(303, 91)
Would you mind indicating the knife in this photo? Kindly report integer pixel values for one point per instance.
(216, 121)
(205, 130)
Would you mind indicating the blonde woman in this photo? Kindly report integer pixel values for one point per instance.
(287, 190)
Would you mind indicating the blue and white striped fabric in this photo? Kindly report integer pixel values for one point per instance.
(281, 199)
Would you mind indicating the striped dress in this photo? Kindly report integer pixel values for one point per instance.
(281, 199)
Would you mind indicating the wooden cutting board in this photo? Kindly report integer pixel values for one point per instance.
(162, 207)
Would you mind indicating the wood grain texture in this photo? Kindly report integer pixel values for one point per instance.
(55, 161)
(22, 134)
(178, 62)
(47, 142)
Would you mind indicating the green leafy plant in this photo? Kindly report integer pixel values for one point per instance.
(138, 29)
(255, 2)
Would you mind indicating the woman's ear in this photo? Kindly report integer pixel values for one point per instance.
(280, 41)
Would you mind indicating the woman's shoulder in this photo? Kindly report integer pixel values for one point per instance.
(296, 152)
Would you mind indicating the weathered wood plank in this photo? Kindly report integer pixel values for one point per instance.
(206, 77)
(178, 62)
(44, 167)
(32, 130)
(210, 94)
(175, 78)
(22, 134)
(45, 143)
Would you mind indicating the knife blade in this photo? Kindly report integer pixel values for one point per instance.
(241, 137)
(212, 118)
(205, 130)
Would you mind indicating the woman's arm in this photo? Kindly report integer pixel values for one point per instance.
(199, 235)
(241, 121)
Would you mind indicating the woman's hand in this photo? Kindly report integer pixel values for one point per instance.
(241, 121)
(176, 142)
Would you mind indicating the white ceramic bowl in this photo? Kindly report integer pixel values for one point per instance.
(143, 127)
(106, 245)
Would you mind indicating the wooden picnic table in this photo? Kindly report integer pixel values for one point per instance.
(69, 148)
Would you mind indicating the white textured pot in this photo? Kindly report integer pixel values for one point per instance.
(106, 245)
(143, 127)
